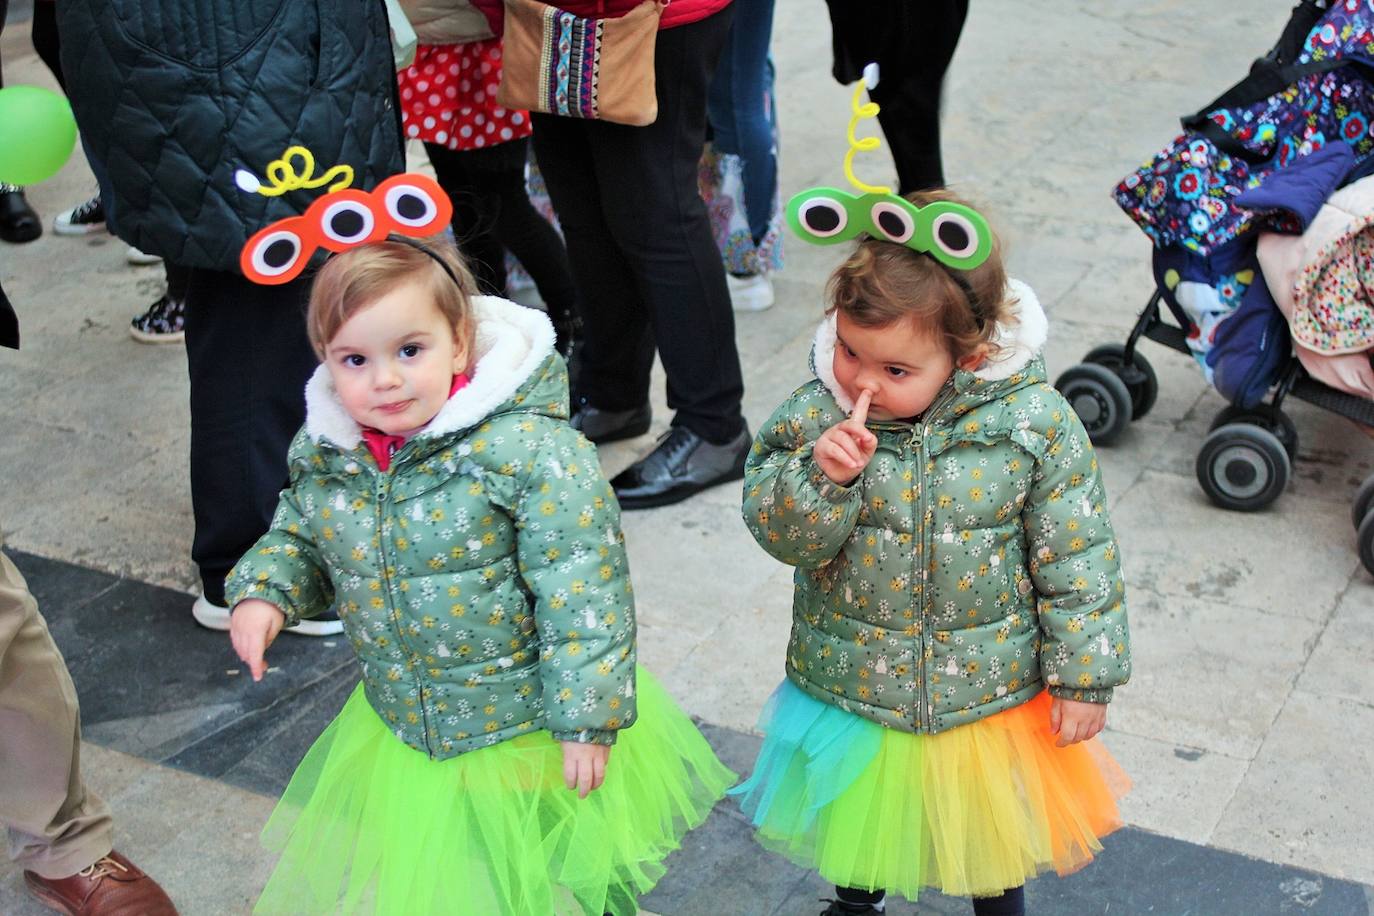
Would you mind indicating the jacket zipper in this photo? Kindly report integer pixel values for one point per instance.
(921, 431)
(383, 494)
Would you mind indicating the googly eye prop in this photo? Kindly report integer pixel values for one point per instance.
(953, 234)
(407, 204)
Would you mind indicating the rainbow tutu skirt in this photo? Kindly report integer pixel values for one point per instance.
(971, 811)
(369, 825)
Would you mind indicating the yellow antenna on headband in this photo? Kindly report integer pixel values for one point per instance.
(282, 176)
(863, 111)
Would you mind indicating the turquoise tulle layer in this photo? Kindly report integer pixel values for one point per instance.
(368, 825)
(971, 811)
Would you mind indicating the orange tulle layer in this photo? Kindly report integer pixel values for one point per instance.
(971, 811)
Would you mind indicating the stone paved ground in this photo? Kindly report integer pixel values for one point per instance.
(1247, 727)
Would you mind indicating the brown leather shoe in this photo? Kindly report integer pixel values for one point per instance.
(113, 886)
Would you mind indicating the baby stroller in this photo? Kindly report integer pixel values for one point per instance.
(1298, 125)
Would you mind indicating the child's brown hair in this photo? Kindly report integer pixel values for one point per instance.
(884, 282)
(354, 279)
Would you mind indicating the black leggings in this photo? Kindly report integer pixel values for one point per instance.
(492, 213)
(1011, 902)
(44, 32)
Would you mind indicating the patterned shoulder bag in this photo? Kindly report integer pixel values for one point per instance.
(558, 63)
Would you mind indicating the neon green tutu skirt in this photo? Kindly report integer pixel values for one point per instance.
(369, 825)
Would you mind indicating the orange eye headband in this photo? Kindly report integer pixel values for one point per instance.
(407, 204)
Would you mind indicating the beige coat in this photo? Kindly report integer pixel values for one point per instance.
(446, 22)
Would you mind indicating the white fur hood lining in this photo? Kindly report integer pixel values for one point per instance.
(511, 342)
(1014, 344)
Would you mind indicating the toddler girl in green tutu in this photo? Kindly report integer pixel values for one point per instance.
(463, 531)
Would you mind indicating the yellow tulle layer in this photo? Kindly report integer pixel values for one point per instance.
(971, 811)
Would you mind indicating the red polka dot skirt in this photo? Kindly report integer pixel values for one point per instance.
(448, 97)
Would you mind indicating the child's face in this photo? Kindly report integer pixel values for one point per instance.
(394, 361)
(901, 364)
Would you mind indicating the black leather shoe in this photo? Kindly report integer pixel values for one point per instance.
(683, 464)
(609, 425)
(18, 222)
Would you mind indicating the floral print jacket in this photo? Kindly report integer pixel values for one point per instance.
(969, 566)
(482, 580)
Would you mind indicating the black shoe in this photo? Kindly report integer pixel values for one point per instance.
(840, 908)
(683, 464)
(609, 425)
(18, 222)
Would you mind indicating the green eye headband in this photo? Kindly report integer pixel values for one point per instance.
(953, 234)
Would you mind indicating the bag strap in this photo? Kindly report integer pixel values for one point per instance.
(1301, 22)
(1265, 80)
(1268, 76)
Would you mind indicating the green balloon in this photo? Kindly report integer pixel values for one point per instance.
(39, 133)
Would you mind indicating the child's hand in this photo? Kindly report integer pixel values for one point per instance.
(584, 766)
(252, 627)
(1074, 721)
(845, 449)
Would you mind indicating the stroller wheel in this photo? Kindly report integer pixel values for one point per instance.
(1363, 502)
(1364, 540)
(1265, 416)
(1139, 377)
(1243, 467)
(1100, 399)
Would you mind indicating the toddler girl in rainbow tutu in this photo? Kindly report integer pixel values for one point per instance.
(959, 618)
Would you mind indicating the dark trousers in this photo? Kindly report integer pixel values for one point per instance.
(44, 35)
(249, 360)
(178, 280)
(1011, 902)
(647, 269)
(492, 213)
(913, 44)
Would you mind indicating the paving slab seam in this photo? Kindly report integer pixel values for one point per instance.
(1132, 586)
(269, 711)
(791, 890)
(117, 580)
(1088, 271)
(1250, 764)
(15, 541)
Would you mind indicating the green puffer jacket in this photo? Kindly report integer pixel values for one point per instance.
(482, 581)
(971, 564)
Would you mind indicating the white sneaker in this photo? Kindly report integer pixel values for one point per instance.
(141, 258)
(209, 615)
(318, 626)
(82, 219)
(750, 294)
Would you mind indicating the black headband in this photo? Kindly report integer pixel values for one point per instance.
(420, 246)
(963, 284)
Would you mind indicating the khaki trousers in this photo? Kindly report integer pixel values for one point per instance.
(56, 826)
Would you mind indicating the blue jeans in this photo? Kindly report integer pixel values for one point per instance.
(740, 107)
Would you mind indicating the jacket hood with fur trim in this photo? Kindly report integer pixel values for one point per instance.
(1016, 345)
(513, 344)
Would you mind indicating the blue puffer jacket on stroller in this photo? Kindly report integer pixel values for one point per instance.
(1265, 155)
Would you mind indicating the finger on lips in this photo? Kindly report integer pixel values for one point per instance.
(860, 413)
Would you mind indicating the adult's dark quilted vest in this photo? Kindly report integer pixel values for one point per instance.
(173, 96)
